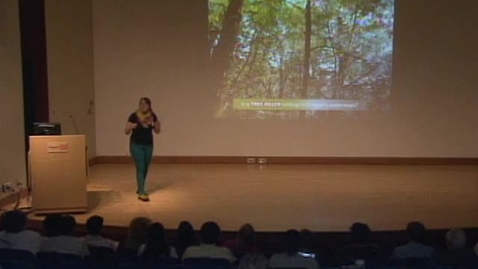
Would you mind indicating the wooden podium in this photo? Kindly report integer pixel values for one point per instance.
(58, 174)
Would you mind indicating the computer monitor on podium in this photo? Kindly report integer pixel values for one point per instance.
(46, 128)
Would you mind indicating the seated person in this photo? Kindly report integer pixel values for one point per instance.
(50, 225)
(185, 238)
(253, 260)
(65, 242)
(156, 247)
(94, 225)
(137, 234)
(291, 258)
(244, 243)
(210, 233)
(415, 248)
(308, 247)
(456, 253)
(360, 248)
(15, 236)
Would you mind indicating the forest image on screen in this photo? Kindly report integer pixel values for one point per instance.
(292, 59)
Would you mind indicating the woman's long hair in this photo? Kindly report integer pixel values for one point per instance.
(156, 246)
(246, 237)
(137, 233)
(184, 238)
(144, 116)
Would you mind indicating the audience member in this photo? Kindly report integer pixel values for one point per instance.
(456, 253)
(15, 236)
(415, 248)
(137, 234)
(253, 260)
(291, 258)
(65, 242)
(210, 233)
(148, 241)
(156, 247)
(94, 225)
(360, 247)
(50, 225)
(308, 245)
(184, 238)
(244, 243)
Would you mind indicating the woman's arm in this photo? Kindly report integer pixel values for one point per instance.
(156, 124)
(129, 126)
(157, 127)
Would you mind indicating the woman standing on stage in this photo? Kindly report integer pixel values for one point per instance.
(141, 125)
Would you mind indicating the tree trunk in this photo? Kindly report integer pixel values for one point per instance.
(222, 53)
(307, 50)
(246, 63)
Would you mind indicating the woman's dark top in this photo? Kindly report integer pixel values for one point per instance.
(141, 135)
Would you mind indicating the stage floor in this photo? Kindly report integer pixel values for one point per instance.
(279, 197)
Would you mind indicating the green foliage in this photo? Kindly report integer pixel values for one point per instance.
(350, 58)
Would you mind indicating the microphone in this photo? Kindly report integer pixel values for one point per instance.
(74, 124)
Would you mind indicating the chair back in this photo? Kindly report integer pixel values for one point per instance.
(100, 257)
(127, 259)
(101, 251)
(411, 262)
(206, 263)
(16, 254)
(55, 260)
(16, 259)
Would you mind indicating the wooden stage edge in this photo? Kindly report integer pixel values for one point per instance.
(293, 160)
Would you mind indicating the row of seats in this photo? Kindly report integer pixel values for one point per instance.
(100, 259)
(104, 259)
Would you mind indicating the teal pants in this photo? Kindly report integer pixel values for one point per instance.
(142, 156)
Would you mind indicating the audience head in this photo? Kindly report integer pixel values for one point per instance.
(210, 232)
(14, 221)
(94, 225)
(360, 233)
(156, 246)
(138, 229)
(456, 239)
(66, 225)
(246, 235)
(307, 239)
(156, 233)
(51, 224)
(185, 232)
(416, 231)
(293, 240)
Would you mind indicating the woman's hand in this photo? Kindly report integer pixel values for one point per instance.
(130, 126)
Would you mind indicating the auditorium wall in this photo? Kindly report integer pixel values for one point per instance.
(156, 49)
(69, 37)
(12, 139)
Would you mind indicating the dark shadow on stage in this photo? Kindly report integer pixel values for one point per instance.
(93, 199)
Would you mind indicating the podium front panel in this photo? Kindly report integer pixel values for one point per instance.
(58, 174)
